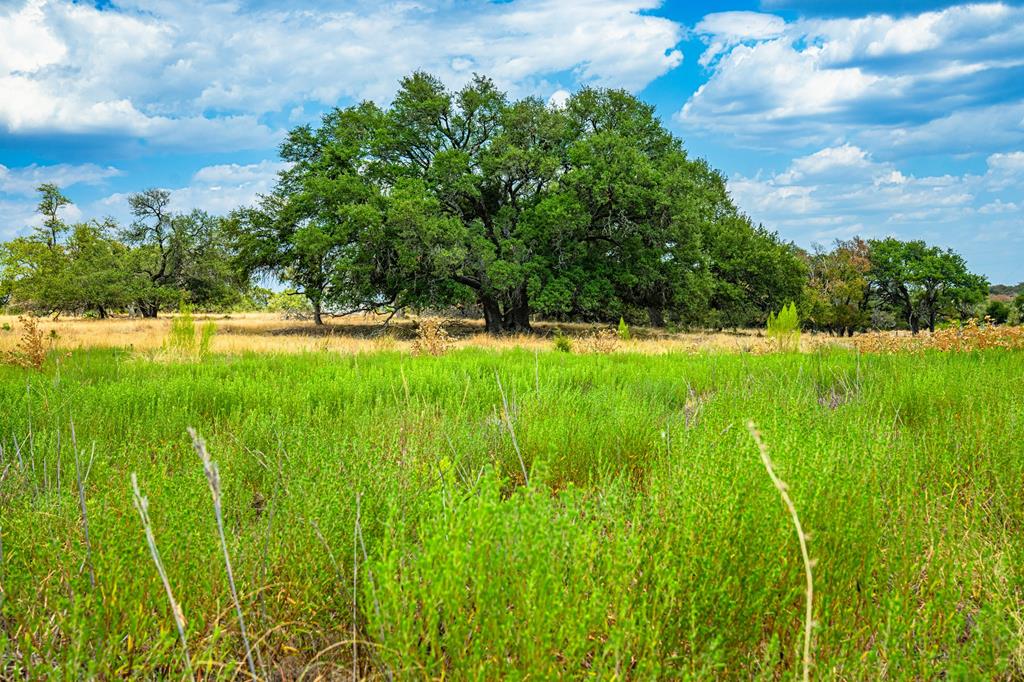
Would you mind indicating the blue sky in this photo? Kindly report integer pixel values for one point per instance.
(830, 119)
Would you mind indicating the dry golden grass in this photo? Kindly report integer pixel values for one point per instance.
(970, 336)
(269, 333)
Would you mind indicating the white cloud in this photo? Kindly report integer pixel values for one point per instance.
(840, 191)
(24, 180)
(998, 206)
(913, 84)
(174, 73)
(724, 30)
(1009, 163)
(219, 189)
(216, 189)
(18, 198)
(559, 97)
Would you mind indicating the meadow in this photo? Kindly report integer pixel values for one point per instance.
(512, 512)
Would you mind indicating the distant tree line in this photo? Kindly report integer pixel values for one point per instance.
(155, 263)
(888, 283)
(511, 209)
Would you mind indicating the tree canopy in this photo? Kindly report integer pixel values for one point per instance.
(922, 282)
(589, 211)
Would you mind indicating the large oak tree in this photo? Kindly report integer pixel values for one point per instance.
(591, 210)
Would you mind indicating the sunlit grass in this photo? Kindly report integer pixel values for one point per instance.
(269, 333)
(649, 541)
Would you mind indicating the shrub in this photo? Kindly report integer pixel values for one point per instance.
(431, 338)
(998, 311)
(563, 343)
(290, 305)
(968, 337)
(623, 330)
(784, 328)
(603, 341)
(31, 349)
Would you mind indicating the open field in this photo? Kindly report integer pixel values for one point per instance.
(379, 522)
(270, 333)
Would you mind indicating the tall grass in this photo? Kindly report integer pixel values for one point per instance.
(646, 544)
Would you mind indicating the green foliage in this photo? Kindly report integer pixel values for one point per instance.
(51, 201)
(589, 211)
(922, 283)
(186, 342)
(624, 334)
(181, 339)
(649, 539)
(997, 311)
(100, 268)
(1007, 289)
(179, 254)
(754, 273)
(784, 328)
(290, 304)
(837, 295)
(562, 343)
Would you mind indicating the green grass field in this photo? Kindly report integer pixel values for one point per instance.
(378, 518)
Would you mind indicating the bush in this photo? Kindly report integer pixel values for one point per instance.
(997, 311)
(784, 328)
(31, 349)
(291, 305)
(431, 338)
(563, 343)
(623, 330)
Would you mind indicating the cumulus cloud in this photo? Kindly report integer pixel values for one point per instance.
(221, 188)
(174, 73)
(18, 198)
(216, 189)
(949, 79)
(841, 191)
(25, 180)
(724, 30)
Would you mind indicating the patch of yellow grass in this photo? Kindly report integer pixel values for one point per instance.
(269, 333)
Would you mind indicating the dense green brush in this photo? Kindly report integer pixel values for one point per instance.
(649, 541)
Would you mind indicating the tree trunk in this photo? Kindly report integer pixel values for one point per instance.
(514, 318)
(518, 318)
(493, 321)
(102, 312)
(915, 324)
(318, 318)
(656, 316)
(931, 320)
(149, 310)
